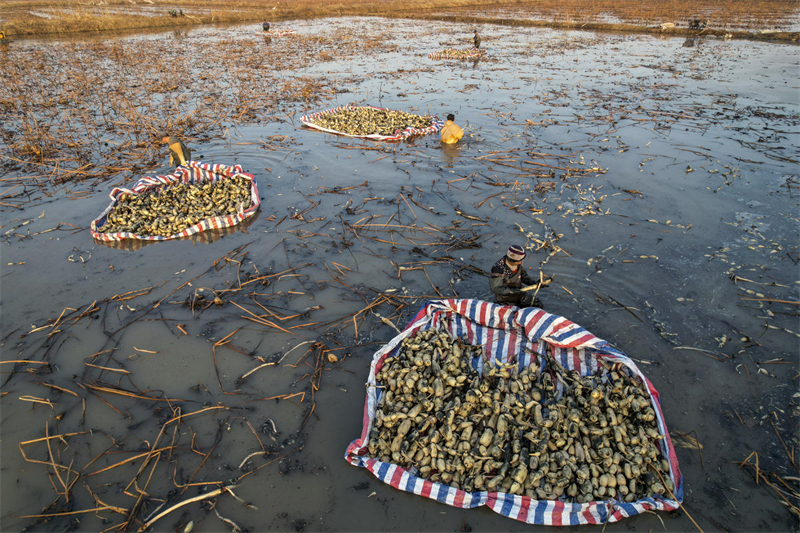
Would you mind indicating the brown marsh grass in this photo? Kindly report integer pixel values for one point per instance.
(36, 17)
(97, 110)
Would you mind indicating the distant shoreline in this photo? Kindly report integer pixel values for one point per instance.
(725, 18)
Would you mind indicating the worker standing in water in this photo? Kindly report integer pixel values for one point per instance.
(179, 154)
(451, 133)
(511, 283)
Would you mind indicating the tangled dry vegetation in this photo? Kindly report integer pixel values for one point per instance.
(60, 16)
(92, 111)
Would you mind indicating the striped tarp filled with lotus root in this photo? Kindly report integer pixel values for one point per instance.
(210, 213)
(366, 122)
(508, 347)
(454, 53)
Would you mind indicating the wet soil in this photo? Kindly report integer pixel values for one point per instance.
(655, 178)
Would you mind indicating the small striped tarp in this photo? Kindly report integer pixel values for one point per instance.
(453, 53)
(194, 172)
(308, 121)
(506, 332)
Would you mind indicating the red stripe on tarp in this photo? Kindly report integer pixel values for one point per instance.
(397, 475)
(427, 486)
(581, 341)
(556, 513)
(513, 346)
(483, 312)
(558, 325)
(589, 516)
(458, 499)
(576, 359)
(522, 516)
(533, 322)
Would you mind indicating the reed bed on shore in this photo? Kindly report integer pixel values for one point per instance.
(36, 17)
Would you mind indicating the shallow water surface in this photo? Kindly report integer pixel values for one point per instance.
(654, 178)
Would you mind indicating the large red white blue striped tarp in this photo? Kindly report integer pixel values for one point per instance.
(399, 135)
(194, 172)
(506, 332)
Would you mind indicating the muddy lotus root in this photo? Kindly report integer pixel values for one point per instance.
(371, 121)
(505, 430)
(172, 209)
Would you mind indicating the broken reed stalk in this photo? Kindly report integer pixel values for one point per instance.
(120, 463)
(57, 467)
(680, 504)
(175, 419)
(56, 387)
(761, 477)
(786, 449)
(126, 393)
(316, 380)
(221, 342)
(259, 320)
(52, 463)
(697, 445)
(282, 397)
(119, 510)
(217, 440)
(628, 309)
(142, 492)
(273, 363)
(707, 353)
(277, 458)
(199, 498)
(256, 436)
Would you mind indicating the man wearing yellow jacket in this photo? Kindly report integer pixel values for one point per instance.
(451, 133)
(179, 154)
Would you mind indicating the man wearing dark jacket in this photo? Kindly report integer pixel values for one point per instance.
(509, 277)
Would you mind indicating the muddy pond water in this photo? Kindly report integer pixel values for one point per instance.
(655, 178)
